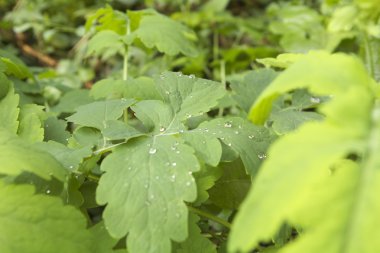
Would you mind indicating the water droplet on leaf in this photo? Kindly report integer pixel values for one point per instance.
(228, 124)
(152, 151)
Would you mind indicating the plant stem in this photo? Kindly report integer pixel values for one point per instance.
(368, 55)
(125, 64)
(210, 216)
(223, 81)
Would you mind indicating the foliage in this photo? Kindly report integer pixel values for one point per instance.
(189, 126)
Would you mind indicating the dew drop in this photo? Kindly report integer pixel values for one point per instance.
(48, 191)
(188, 183)
(179, 73)
(146, 186)
(251, 136)
(228, 124)
(229, 144)
(177, 152)
(191, 76)
(181, 131)
(71, 167)
(240, 127)
(236, 132)
(157, 177)
(203, 142)
(151, 196)
(129, 168)
(206, 130)
(262, 156)
(315, 100)
(190, 173)
(174, 164)
(46, 125)
(167, 92)
(152, 151)
(173, 148)
(162, 129)
(222, 138)
(172, 178)
(188, 116)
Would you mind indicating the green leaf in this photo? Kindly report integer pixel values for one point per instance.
(232, 187)
(316, 71)
(9, 110)
(16, 157)
(248, 140)
(196, 242)
(30, 128)
(205, 179)
(55, 130)
(140, 88)
(248, 90)
(14, 66)
(118, 130)
(168, 36)
(69, 158)
(105, 43)
(148, 179)
(108, 19)
(72, 100)
(333, 163)
(104, 242)
(187, 94)
(38, 223)
(96, 114)
(145, 186)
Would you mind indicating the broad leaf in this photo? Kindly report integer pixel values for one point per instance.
(331, 164)
(149, 178)
(37, 223)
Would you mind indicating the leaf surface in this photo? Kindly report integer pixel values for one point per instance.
(311, 169)
(38, 223)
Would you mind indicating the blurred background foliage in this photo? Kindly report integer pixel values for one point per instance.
(51, 37)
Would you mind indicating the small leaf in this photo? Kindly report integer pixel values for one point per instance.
(105, 42)
(96, 114)
(167, 35)
(196, 242)
(16, 157)
(9, 110)
(30, 127)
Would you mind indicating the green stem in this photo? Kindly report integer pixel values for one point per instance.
(223, 81)
(368, 55)
(210, 216)
(125, 64)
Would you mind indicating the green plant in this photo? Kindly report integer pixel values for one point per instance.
(115, 150)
